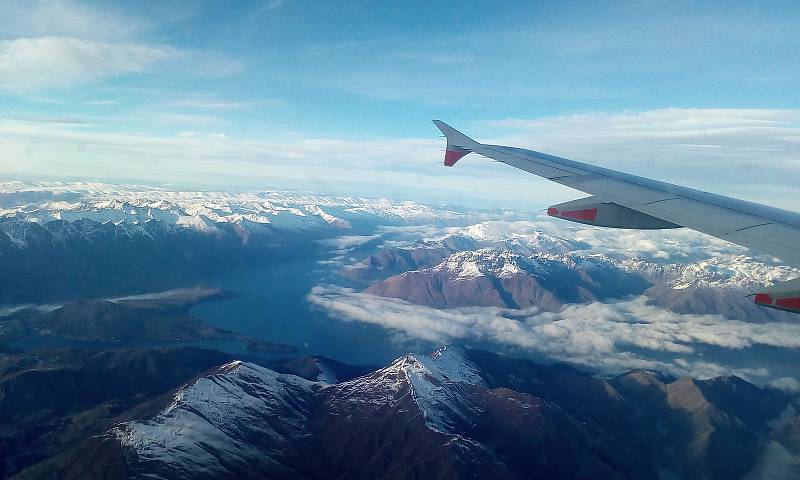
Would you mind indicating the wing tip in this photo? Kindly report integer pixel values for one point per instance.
(458, 144)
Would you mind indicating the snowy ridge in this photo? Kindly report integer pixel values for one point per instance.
(240, 412)
(21, 232)
(451, 364)
(520, 237)
(505, 263)
(497, 263)
(330, 219)
(437, 384)
(198, 223)
(723, 272)
(214, 419)
(200, 210)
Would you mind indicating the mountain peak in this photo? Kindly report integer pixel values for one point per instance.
(222, 407)
(486, 261)
(448, 364)
(435, 384)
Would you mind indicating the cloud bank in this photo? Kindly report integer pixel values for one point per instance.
(609, 337)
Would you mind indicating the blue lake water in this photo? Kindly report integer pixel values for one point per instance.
(271, 305)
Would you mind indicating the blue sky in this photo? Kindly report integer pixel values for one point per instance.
(338, 96)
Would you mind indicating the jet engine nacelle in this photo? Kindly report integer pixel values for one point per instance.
(783, 296)
(593, 211)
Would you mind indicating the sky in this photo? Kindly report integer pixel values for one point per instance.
(338, 97)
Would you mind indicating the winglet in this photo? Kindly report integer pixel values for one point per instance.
(458, 144)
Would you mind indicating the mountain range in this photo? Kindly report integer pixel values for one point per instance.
(42, 202)
(505, 279)
(64, 241)
(456, 413)
(51, 400)
(453, 274)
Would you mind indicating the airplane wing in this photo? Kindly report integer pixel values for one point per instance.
(622, 200)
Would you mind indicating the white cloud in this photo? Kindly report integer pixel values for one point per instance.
(28, 64)
(597, 335)
(60, 43)
(346, 242)
(787, 384)
(777, 463)
(34, 18)
(35, 63)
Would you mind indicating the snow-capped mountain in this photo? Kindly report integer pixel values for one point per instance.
(516, 237)
(656, 256)
(545, 235)
(66, 240)
(434, 384)
(456, 413)
(201, 211)
(719, 285)
(238, 418)
(502, 278)
(723, 272)
(487, 269)
(427, 252)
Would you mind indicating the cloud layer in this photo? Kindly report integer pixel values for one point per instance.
(609, 337)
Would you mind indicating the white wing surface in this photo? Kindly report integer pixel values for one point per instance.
(623, 200)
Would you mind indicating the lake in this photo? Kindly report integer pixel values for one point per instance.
(272, 306)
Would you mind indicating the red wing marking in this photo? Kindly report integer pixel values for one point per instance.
(589, 214)
(763, 299)
(789, 302)
(452, 156)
